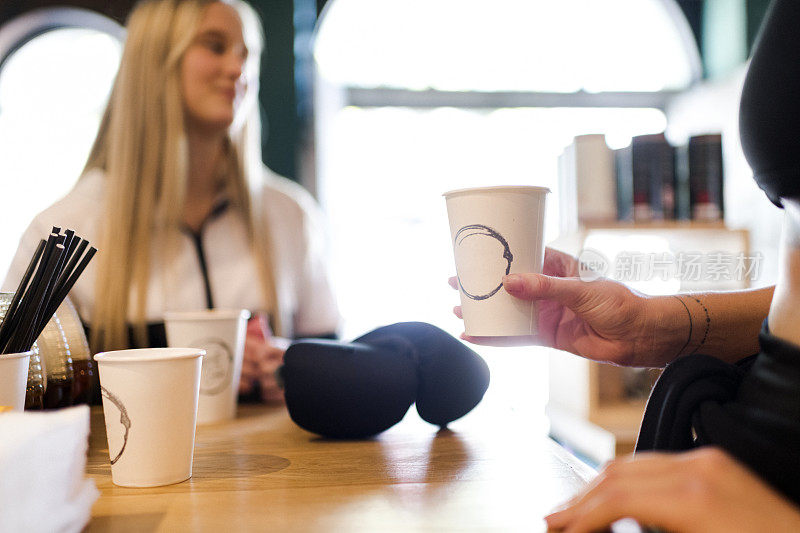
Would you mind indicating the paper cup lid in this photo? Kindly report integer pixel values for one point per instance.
(148, 354)
(533, 189)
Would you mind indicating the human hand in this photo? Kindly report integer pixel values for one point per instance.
(261, 360)
(602, 319)
(704, 490)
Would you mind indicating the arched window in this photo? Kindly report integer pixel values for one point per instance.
(56, 70)
(508, 45)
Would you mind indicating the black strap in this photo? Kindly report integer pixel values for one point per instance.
(751, 409)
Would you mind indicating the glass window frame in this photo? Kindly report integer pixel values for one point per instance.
(20, 30)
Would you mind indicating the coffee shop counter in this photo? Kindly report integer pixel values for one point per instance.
(495, 469)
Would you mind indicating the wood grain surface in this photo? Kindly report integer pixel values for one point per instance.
(493, 470)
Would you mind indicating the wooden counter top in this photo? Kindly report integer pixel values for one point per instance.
(492, 471)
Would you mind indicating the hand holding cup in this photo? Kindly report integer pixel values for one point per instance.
(603, 320)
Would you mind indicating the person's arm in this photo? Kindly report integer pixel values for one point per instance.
(304, 231)
(605, 320)
(724, 325)
(704, 490)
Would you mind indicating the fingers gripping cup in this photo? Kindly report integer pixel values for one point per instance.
(150, 407)
(496, 231)
(221, 333)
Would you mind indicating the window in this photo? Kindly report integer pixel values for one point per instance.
(415, 98)
(56, 71)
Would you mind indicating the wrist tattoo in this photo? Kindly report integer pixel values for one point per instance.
(689, 338)
(707, 325)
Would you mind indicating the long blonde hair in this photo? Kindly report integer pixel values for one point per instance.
(141, 146)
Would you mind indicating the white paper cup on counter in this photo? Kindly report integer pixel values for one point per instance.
(221, 333)
(496, 231)
(14, 379)
(150, 407)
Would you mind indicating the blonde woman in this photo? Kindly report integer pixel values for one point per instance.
(176, 199)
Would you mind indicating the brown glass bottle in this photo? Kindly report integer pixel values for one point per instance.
(58, 393)
(83, 384)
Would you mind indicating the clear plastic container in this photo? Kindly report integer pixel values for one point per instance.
(57, 358)
(84, 370)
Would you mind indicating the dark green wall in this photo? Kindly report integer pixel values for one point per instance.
(286, 80)
(756, 9)
(278, 97)
(697, 14)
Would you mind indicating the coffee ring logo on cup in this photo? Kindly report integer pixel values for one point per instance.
(124, 420)
(481, 231)
(217, 365)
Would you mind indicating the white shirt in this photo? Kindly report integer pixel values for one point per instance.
(305, 298)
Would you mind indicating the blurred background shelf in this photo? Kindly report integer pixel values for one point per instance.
(655, 225)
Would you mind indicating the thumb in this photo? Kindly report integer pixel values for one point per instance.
(570, 292)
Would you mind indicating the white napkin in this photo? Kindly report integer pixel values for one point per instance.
(42, 465)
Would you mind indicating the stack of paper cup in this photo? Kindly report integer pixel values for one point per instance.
(13, 379)
(150, 407)
(496, 231)
(221, 333)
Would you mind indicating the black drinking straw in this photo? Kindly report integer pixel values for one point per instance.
(5, 329)
(69, 243)
(73, 278)
(58, 297)
(41, 318)
(71, 266)
(21, 340)
(53, 270)
(18, 320)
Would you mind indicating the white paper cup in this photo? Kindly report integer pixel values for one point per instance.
(221, 333)
(150, 407)
(14, 379)
(496, 231)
